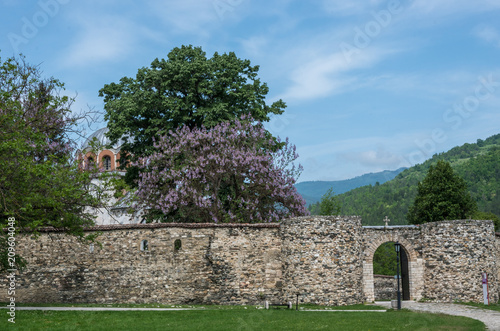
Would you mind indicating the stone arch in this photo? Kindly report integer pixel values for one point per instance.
(370, 250)
(177, 245)
(415, 265)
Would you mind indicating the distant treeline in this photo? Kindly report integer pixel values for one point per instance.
(478, 164)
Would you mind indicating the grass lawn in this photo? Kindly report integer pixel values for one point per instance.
(226, 318)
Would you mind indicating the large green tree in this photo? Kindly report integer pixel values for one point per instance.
(442, 195)
(40, 182)
(186, 89)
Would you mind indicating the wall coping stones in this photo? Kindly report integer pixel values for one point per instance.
(162, 225)
(232, 225)
(455, 222)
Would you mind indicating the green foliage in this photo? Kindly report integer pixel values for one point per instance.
(329, 205)
(313, 208)
(40, 181)
(442, 195)
(478, 166)
(186, 89)
(384, 260)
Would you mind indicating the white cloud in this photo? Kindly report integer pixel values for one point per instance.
(347, 158)
(189, 16)
(255, 46)
(102, 39)
(327, 74)
(451, 7)
(344, 8)
(439, 85)
(488, 34)
(314, 79)
(380, 157)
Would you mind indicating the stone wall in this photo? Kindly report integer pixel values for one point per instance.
(456, 253)
(322, 259)
(445, 259)
(326, 260)
(497, 237)
(385, 287)
(215, 264)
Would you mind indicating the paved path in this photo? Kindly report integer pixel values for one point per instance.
(489, 317)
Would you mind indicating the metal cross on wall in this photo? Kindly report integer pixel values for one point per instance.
(386, 220)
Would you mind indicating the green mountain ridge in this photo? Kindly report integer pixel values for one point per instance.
(312, 191)
(478, 164)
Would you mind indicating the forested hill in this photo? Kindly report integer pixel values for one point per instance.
(478, 164)
(312, 191)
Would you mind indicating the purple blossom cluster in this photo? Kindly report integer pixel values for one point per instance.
(228, 173)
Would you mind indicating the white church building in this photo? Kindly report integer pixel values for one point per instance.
(98, 149)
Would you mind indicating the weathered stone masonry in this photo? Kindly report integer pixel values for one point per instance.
(445, 259)
(321, 260)
(327, 260)
(213, 265)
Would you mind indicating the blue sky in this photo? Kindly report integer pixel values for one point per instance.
(370, 85)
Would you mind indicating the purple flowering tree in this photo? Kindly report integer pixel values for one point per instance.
(228, 173)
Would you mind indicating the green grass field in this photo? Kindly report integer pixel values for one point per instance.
(228, 318)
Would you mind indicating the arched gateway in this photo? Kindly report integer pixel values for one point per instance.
(411, 264)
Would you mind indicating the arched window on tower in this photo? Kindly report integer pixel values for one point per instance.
(106, 162)
(90, 162)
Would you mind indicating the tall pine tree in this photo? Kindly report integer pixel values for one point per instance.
(442, 195)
